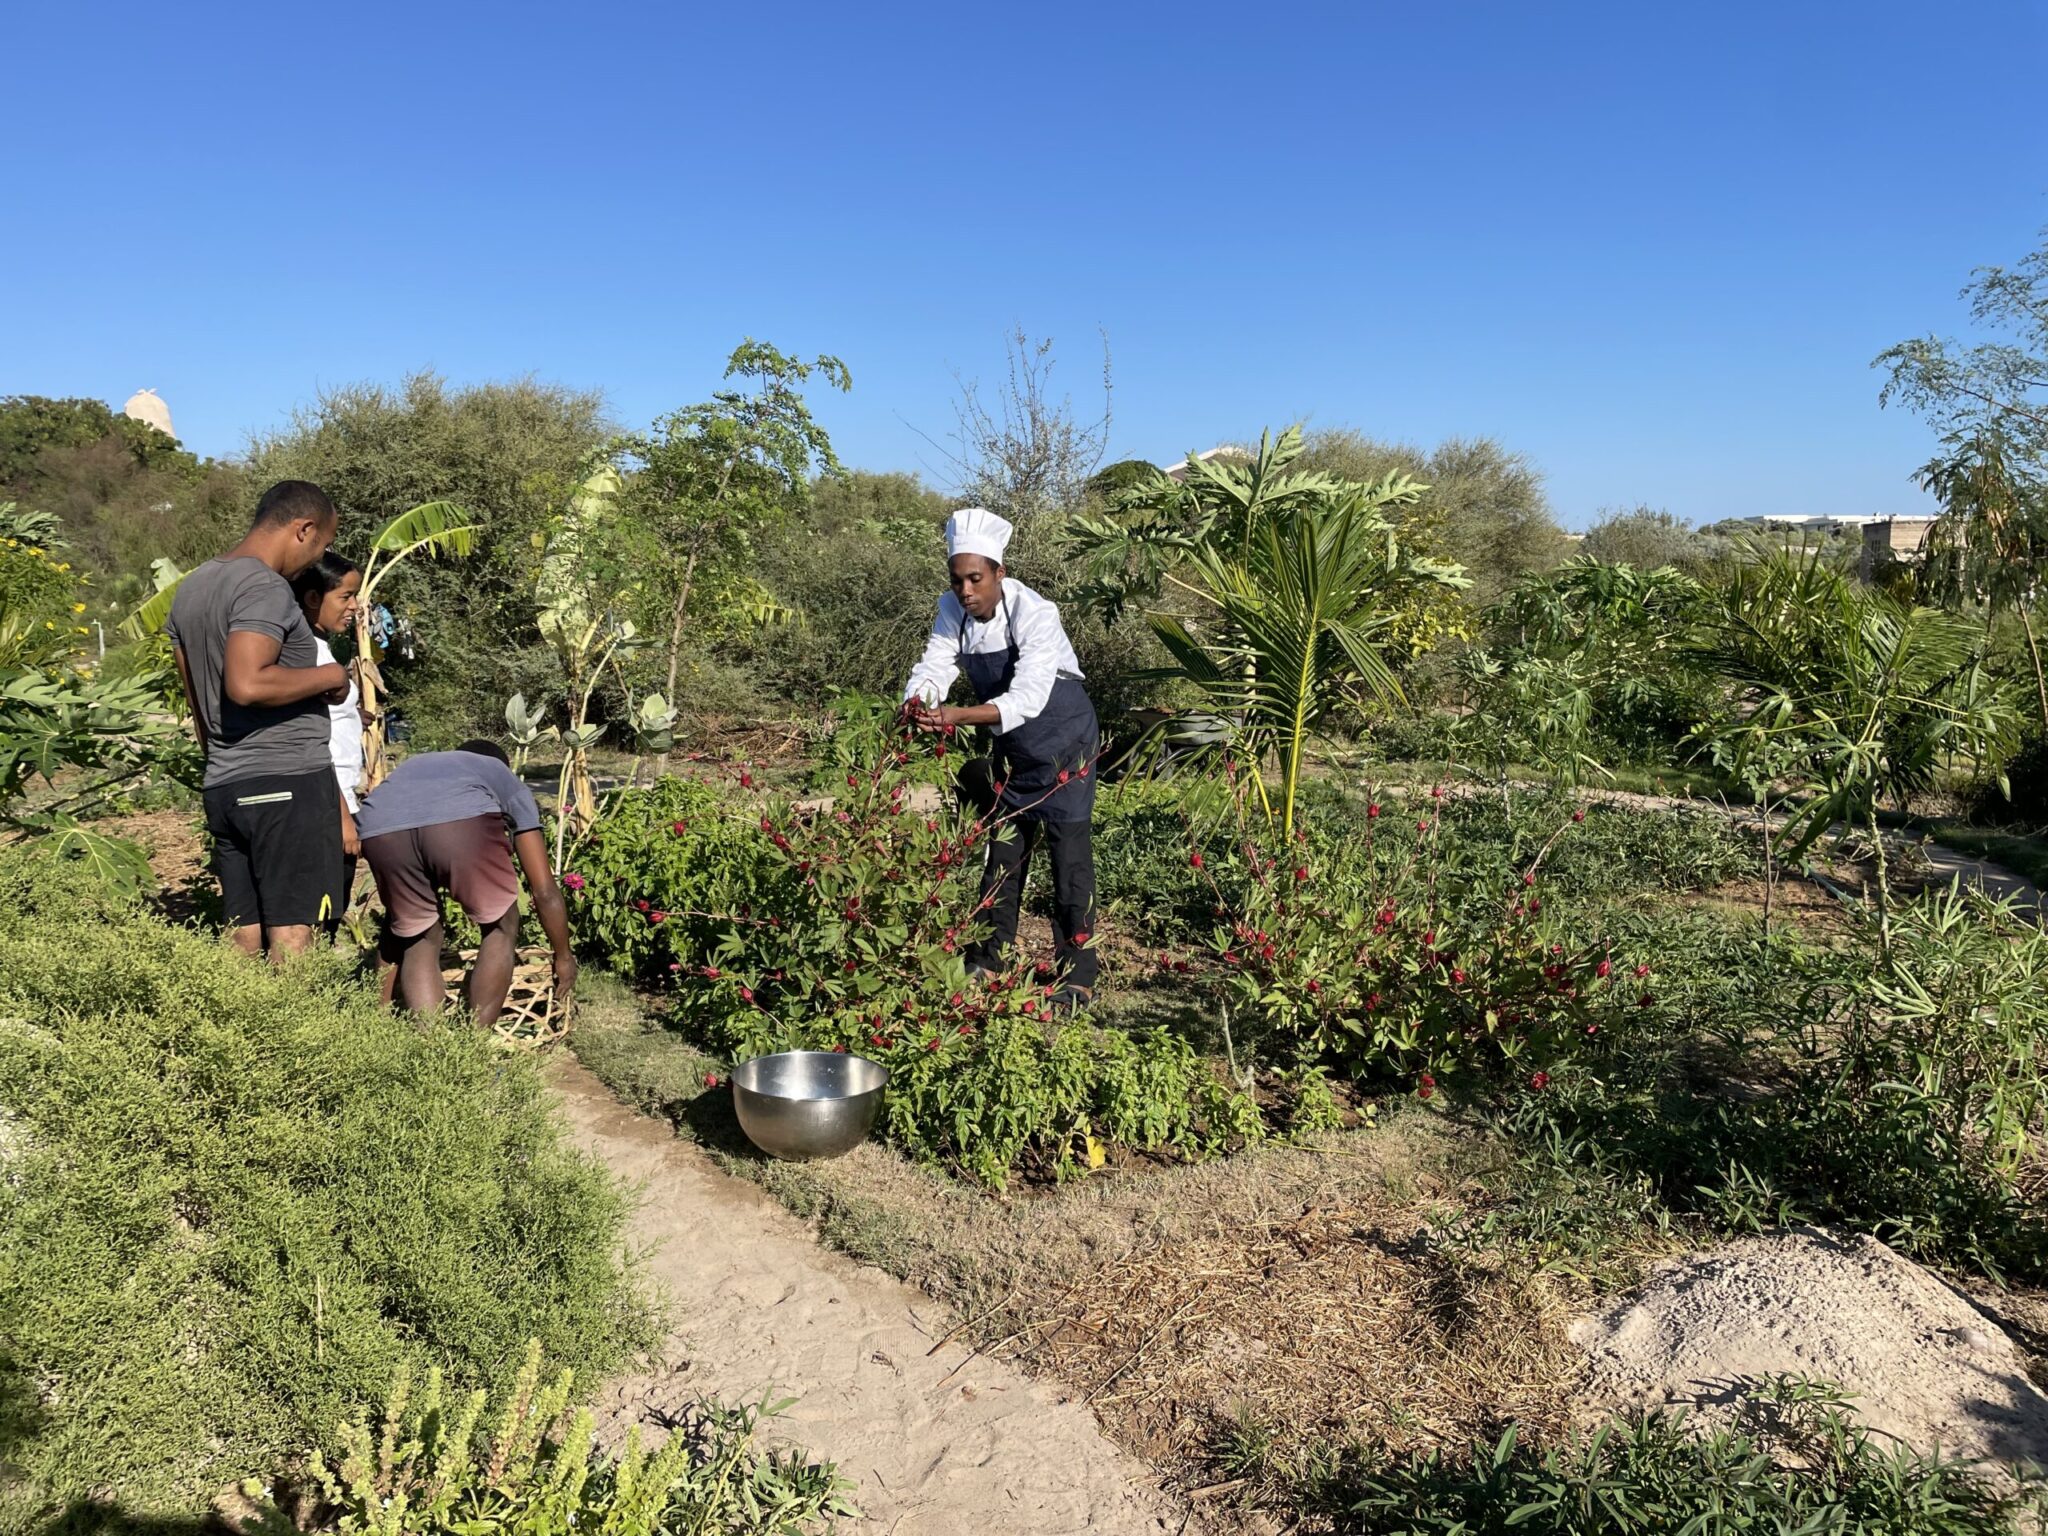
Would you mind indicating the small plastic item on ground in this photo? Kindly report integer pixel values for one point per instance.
(802, 1105)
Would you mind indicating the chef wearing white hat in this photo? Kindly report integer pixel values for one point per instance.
(1041, 772)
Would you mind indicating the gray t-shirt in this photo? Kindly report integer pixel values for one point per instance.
(437, 787)
(245, 742)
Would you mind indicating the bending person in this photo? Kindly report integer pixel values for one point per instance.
(1027, 684)
(440, 823)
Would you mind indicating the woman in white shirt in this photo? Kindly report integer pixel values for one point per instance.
(1027, 683)
(326, 590)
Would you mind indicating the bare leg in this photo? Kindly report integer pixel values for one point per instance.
(294, 939)
(419, 971)
(248, 938)
(491, 977)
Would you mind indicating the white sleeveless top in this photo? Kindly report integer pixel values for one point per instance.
(344, 733)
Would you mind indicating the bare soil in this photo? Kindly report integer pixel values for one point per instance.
(176, 844)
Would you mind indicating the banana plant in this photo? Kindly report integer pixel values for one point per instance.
(433, 528)
(155, 612)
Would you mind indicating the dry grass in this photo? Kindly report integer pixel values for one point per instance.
(1342, 1322)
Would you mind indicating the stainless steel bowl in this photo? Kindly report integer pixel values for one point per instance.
(805, 1104)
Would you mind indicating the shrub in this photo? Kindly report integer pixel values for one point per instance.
(1355, 952)
(234, 1199)
(1017, 1092)
(649, 889)
(1817, 1470)
(865, 729)
(1145, 831)
(429, 1469)
(847, 928)
(1901, 1100)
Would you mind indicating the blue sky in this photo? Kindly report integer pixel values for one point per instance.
(1654, 246)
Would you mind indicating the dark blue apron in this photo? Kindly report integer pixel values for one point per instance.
(1063, 736)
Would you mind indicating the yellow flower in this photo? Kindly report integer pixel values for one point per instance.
(63, 565)
(78, 607)
(49, 624)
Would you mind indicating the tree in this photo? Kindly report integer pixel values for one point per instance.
(1995, 389)
(33, 425)
(1589, 654)
(1024, 454)
(1648, 538)
(712, 476)
(1484, 507)
(125, 492)
(1991, 542)
(895, 506)
(1852, 691)
(1293, 581)
(1112, 480)
(508, 453)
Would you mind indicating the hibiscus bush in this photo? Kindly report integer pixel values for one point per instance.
(845, 926)
(644, 887)
(1377, 951)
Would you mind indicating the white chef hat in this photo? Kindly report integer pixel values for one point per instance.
(977, 531)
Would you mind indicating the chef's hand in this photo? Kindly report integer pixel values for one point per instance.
(564, 967)
(351, 840)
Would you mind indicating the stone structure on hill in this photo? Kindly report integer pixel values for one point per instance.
(146, 405)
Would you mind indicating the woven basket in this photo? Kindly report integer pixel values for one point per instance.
(530, 1019)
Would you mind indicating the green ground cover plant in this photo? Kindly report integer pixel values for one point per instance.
(235, 1199)
(1776, 1080)
(437, 1464)
(1813, 1469)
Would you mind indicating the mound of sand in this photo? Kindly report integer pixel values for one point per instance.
(1921, 1363)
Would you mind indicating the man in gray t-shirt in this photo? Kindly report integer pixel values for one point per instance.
(259, 703)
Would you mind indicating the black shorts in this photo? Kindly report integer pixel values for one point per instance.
(277, 849)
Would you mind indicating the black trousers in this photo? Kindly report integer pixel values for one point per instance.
(1072, 846)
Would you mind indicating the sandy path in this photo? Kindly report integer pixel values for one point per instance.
(937, 1445)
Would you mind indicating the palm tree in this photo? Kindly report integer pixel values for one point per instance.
(1857, 693)
(1295, 608)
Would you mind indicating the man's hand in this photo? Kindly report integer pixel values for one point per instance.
(351, 840)
(565, 975)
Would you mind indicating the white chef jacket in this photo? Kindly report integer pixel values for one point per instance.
(1043, 652)
(344, 732)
